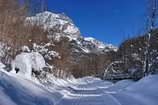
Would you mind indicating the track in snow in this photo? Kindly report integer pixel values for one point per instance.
(85, 94)
(73, 98)
(106, 93)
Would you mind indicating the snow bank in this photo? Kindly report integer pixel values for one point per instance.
(25, 62)
(120, 86)
(143, 92)
(146, 84)
(19, 91)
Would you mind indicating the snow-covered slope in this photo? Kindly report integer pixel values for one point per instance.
(16, 90)
(19, 91)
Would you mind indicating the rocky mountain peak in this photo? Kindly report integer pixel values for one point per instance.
(58, 22)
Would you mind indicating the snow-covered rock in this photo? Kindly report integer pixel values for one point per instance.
(24, 63)
(38, 61)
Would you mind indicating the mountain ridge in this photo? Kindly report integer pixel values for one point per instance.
(65, 27)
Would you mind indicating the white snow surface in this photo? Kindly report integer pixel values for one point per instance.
(17, 90)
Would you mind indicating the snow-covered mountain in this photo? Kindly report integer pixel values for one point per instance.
(60, 25)
(57, 22)
(98, 46)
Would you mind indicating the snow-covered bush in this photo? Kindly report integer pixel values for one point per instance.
(38, 61)
(25, 49)
(46, 50)
(25, 63)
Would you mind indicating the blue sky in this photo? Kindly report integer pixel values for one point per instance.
(110, 21)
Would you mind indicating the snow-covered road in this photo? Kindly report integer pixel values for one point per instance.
(85, 96)
(15, 90)
(91, 92)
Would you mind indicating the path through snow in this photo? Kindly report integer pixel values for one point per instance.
(16, 90)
